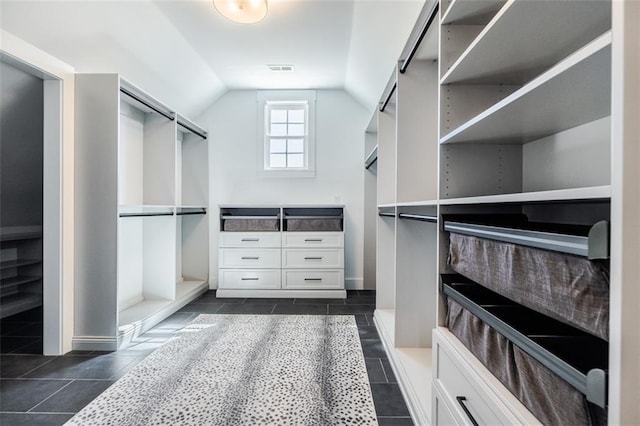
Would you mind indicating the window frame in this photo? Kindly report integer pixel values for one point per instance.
(284, 98)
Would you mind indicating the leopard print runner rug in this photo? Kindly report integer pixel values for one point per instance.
(245, 370)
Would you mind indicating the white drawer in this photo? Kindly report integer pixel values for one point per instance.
(312, 279)
(250, 239)
(313, 239)
(475, 387)
(249, 279)
(312, 259)
(441, 413)
(249, 258)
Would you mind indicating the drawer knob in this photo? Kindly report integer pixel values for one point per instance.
(250, 258)
(313, 258)
(249, 279)
(313, 240)
(251, 239)
(461, 400)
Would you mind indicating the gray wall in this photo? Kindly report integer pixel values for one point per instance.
(21, 149)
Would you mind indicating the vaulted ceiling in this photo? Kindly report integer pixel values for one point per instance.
(187, 55)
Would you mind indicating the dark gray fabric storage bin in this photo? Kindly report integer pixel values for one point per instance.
(311, 225)
(568, 288)
(251, 225)
(552, 400)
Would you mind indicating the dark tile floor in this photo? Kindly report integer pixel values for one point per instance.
(42, 390)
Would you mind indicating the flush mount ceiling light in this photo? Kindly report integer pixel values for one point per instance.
(242, 11)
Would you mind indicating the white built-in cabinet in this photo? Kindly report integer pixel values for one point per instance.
(140, 209)
(276, 251)
(506, 107)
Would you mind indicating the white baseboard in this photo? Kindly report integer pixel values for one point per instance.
(354, 283)
(94, 343)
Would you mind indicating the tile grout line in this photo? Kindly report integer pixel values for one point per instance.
(383, 370)
(47, 398)
(34, 369)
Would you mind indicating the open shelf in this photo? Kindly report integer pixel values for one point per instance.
(145, 210)
(471, 12)
(573, 194)
(574, 92)
(587, 241)
(16, 303)
(425, 203)
(577, 357)
(18, 263)
(526, 37)
(185, 288)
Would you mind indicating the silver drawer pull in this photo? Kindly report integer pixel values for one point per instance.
(313, 240)
(461, 400)
(313, 279)
(250, 279)
(250, 257)
(313, 258)
(251, 239)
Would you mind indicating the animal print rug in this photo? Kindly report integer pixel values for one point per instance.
(245, 370)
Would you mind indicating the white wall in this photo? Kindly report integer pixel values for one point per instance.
(234, 179)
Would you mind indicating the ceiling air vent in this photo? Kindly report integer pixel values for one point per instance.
(280, 68)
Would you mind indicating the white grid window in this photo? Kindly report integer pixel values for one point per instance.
(286, 135)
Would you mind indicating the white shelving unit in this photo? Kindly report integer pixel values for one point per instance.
(151, 168)
(537, 116)
(406, 274)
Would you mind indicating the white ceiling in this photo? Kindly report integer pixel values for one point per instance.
(187, 55)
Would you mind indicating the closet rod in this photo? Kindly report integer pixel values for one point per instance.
(386, 214)
(424, 27)
(371, 158)
(422, 218)
(592, 384)
(388, 96)
(192, 130)
(145, 214)
(190, 213)
(147, 104)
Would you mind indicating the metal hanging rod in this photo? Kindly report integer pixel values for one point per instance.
(313, 217)
(170, 116)
(145, 214)
(424, 27)
(371, 158)
(191, 129)
(388, 96)
(422, 218)
(386, 214)
(191, 213)
(227, 217)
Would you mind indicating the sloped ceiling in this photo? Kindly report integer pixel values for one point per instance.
(187, 55)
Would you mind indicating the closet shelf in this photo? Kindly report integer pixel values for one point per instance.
(18, 263)
(18, 281)
(587, 241)
(144, 101)
(15, 233)
(16, 303)
(371, 158)
(578, 358)
(526, 37)
(425, 203)
(572, 194)
(418, 217)
(145, 210)
(471, 12)
(574, 92)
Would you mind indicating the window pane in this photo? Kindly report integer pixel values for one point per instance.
(296, 129)
(296, 116)
(278, 160)
(295, 160)
(296, 145)
(278, 116)
(277, 145)
(278, 130)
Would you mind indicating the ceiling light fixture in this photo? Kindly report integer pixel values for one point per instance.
(242, 11)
